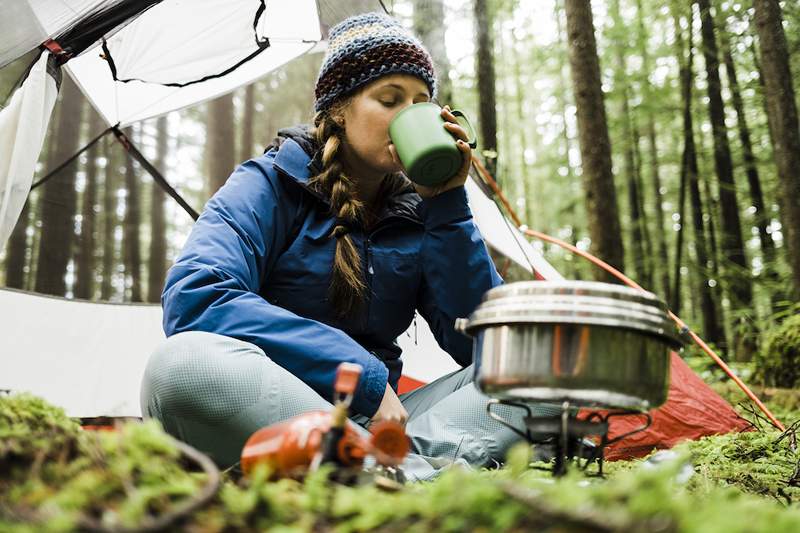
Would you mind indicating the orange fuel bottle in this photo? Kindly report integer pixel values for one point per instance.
(293, 447)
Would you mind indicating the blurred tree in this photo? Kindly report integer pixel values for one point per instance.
(428, 25)
(157, 258)
(760, 218)
(598, 179)
(85, 252)
(662, 263)
(220, 150)
(131, 241)
(113, 152)
(782, 115)
(630, 140)
(689, 176)
(485, 73)
(16, 250)
(59, 199)
(248, 110)
(738, 277)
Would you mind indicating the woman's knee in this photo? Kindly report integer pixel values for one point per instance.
(202, 376)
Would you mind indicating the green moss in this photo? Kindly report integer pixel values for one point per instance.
(778, 364)
(119, 478)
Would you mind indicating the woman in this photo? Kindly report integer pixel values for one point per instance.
(319, 252)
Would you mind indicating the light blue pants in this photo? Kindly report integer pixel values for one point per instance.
(213, 392)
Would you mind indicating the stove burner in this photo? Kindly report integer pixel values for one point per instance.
(567, 434)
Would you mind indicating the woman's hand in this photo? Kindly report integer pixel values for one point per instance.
(390, 408)
(452, 125)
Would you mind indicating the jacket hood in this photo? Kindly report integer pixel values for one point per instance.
(404, 202)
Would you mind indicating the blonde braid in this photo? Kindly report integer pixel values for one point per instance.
(347, 289)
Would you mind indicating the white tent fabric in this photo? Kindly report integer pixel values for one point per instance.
(175, 41)
(26, 24)
(23, 126)
(89, 357)
(205, 38)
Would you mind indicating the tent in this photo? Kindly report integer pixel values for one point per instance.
(87, 356)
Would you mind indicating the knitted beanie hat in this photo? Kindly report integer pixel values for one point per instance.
(364, 48)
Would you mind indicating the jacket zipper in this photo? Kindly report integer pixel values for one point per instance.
(370, 272)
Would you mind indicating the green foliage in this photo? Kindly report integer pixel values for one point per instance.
(778, 364)
(757, 462)
(119, 478)
(58, 477)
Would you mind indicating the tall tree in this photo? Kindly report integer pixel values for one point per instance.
(738, 278)
(689, 175)
(637, 240)
(561, 98)
(782, 116)
(248, 112)
(109, 217)
(519, 99)
(220, 153)
(59, 199)
(761, 217)
(157, 258)
(84, 260)
(655, 175)
(16, 250)
(484, 20)
(598, 179)
(428, 17)
(132, 254)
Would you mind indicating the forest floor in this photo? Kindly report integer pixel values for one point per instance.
(56, 477)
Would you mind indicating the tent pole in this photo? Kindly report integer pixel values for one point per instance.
(70, 160)
(137, 155)
(626, 280)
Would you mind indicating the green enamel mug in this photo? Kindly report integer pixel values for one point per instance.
(427, 150)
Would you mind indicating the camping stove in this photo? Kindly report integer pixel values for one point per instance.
(568, 436)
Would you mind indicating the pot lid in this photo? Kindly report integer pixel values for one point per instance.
(574, 302)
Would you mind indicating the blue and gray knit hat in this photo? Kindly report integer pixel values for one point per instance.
(364, 48)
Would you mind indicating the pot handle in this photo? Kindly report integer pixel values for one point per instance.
(461, 326)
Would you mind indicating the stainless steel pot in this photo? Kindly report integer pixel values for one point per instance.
(589, 343)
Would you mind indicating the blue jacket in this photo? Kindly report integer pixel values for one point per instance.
(257, 266)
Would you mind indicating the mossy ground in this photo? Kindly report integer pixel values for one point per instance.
(55, 477)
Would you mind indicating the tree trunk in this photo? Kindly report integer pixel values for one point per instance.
(782, 116)
(157, 261)
(711, 322)
(675, 297)
(132, 256)
(248, 113)
(219, 146)
(486, 85)
(738, 278)
(638, 233)
(110, 187)
(521, 127)
(59, 199)
(84, 262)
(562, 101)
(655, 177)
(761, 217)
(598, 179)
(428, 17)
(16, 249)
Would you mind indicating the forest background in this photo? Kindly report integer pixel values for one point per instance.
(661, 136)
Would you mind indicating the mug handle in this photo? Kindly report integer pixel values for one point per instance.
(473, 139)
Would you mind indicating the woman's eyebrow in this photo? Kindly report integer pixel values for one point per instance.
(403, 89)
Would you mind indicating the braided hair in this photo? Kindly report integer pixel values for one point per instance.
(348, 288)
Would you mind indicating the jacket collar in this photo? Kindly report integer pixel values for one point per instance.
(293, 161)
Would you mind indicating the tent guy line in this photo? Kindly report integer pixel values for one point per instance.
(125, 141)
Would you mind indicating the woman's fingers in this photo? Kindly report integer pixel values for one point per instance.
(452, 124)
